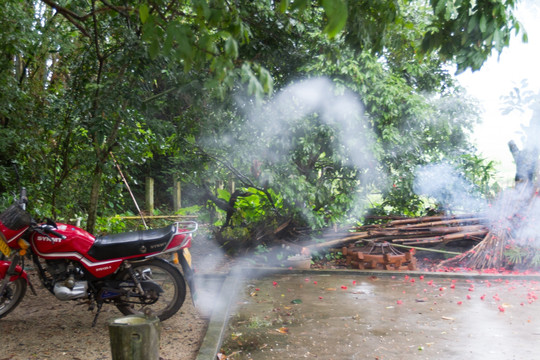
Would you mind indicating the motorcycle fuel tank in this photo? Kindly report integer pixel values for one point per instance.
(74, 246)
(76, 241)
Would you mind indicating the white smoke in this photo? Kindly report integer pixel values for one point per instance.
(336, 107)
(448, 187)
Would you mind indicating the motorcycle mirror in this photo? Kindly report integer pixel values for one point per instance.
(51, 222)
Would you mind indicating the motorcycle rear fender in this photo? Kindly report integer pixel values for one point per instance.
(4, 265)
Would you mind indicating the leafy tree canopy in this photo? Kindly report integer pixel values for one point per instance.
(173, 88)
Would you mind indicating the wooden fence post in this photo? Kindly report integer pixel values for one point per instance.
(135, 338)
(150, 195)
(177, 195)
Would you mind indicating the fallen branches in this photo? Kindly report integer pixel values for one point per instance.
(427, 230)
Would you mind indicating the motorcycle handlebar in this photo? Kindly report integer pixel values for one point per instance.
(55, 233)
(46, 229)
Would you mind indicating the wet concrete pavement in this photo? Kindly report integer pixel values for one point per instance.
(405, 316)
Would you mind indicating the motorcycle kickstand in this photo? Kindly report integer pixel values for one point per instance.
(99, 306)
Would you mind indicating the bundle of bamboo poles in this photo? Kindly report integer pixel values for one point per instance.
(513, 207)
(421, 231)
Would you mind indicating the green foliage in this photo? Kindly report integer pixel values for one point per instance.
(468, 31)
(161, 85)
(111, 225)
(522, 256)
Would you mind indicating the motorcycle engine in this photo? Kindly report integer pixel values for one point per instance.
(68, 279)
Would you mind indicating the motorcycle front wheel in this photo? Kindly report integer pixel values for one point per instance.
(12, 296)
(163, 285)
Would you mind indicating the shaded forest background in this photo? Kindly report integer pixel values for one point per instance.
(269, 113)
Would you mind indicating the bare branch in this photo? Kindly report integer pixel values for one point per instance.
(71, 16)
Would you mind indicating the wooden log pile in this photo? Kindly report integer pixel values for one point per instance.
(421, 231)
(380, 256)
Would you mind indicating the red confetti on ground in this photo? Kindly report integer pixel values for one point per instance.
(315, 282)
(501, 309)
(453, 286)
(320, 297)
(421, 277)
(306, 280)
(399, 302)
(468, 297)
(354, 282)
(343, 287)
(471, 289)
(483, 297)
(274, 283)
(460, 302)
(257, 289)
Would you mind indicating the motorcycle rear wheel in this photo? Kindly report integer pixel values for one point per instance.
(154, 272)
(12, 296)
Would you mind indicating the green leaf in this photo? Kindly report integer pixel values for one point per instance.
(154, 48)
(231, 47)
(299, 5)
(473, 21)
(144, 13)
(498, 40)
(336, 11)
(440, 7)
(482, 23)
(284, 5)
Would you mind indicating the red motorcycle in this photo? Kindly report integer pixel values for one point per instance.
(126, 269)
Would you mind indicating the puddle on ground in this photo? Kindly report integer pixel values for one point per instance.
(386, 318)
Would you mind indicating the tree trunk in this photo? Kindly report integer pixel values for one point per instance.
(94, 198)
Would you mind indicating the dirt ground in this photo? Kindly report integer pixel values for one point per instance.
(43, 328)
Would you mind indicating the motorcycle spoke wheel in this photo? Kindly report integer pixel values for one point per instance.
(163, 303)
(12, 296)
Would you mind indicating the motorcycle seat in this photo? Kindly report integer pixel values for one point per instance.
(131, 243)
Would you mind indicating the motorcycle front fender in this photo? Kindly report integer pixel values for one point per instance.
(4, 266)
(184, 257)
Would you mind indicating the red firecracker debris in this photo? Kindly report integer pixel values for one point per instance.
(460, 302)
(274, 283)
(343, 287)
(399, 302)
